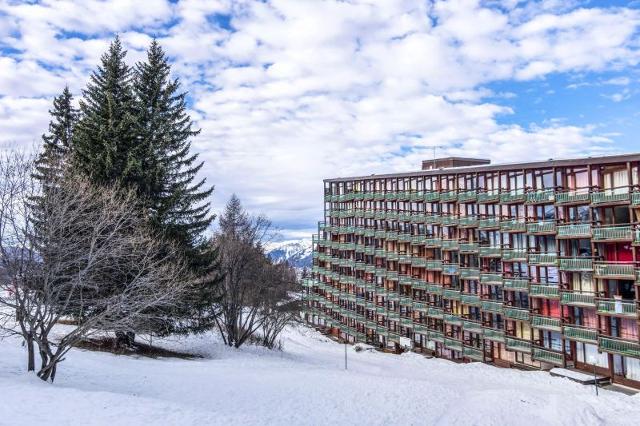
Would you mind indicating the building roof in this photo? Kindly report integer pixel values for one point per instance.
(611, 159)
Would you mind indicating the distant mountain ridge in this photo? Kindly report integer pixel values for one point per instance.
(297, 252)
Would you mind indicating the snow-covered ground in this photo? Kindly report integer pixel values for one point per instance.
(304, 384)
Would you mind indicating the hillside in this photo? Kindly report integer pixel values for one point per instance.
(304, 384)
(296, 252)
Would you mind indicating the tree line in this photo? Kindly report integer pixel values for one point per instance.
(107, 228)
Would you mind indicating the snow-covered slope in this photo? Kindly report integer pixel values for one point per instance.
(296, 252)
(306, 384)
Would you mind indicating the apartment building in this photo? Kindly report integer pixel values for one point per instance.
(530, 265)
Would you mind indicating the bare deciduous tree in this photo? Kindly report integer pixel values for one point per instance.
(80, 252)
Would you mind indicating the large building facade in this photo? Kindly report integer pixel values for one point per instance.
(531, 265)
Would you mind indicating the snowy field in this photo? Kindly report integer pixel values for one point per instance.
(304, 384)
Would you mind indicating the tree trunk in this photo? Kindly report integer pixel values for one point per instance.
(31, 354)
(125, 339)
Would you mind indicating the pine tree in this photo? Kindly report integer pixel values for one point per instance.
(177, 202)
(57, 143)
(105, 146)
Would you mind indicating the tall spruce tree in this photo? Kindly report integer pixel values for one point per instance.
(57, 142)
(105, 145)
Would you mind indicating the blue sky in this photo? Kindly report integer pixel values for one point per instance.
(288, 92)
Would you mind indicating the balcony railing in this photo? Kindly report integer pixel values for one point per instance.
(451, 294)
(469, 273)
(434, 289)
(578, 299)
(614, 270)
(511, 255)
(576, 264)
(467, 196)
(488, 197)
(469, 247)
(580, 334)
(542, 227)
(513, 225)
(517, 345)
(544, 291)
(615, 307)
(448, 196)
(489, 223)
(516, 313)
(573, 197)
(452, 319)
(472, 353)
(491, 306)
(490, 251)
(543, 259)
(540, 197)
(546, 355)
(613, 233)
(471, 327)
(491, 278)
(577, 230)
(436, 336)
(450, 245)
(456, 345)
(512, 197)
(435, 313)
(493, 334)
(450, 269)
(470, 299)
(609, 196)
(431, 196)
(618, 346)
(434, 265)
(635, 198)
(516, 284)
(468, 221)
(546, 323)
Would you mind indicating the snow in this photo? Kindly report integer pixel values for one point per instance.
(574, 374)
(304, 384)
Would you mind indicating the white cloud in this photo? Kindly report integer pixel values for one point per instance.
(294, 91)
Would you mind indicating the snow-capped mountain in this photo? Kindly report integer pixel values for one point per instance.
(296, 252)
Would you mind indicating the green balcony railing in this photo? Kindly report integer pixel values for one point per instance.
(419, 307)
(452, 319)
(617, 307)
(608, 196)
(493, 334)
(512, 197)
(418, 262)
(436, 336)
(433, 242)
(542, 227)
(434, 289)
(490, 251)
(544, 291)
(468, 221)
(635, 198)
(540, 197)
(469, 273)
(418, 218)
(489, 223)
(547, 355)
(577, 230)
(488, 197)
(471, 326)
(450, 245)
(435, 313)
(516, 313)
(467, 196)
(517, 345)
(516, 284)
(451, 294)
(618, 346)
(491, 306)
(455, 345)
(470, 299)
(431, 196)
(546, 323)
(543, 259)
(573, 197)
(450, 268)
(418, 284)
(448, 196)
(613, 233)
(511, 255)
(581, 334)
(578, 299)
(491, 278)
(418, 240)
(513, 225)
(472, 353)
(434, 265)
(576, 264)
(614, 270)
(469, 247)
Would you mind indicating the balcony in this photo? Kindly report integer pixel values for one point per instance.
(514, 255)
(472, 353)
(451, 294)
(435, 313)
(452, 344)
(450, 245)
(450, 269)
(577, 230)
(516, 284)
(618, 346)
(418, 284)
(420, 307)
(516, 313)
(610, 196)
(613, 233)
(635, 198)
(518, 345)
(471, 327)
(489, 223)
(448, 196)
(453, 320)
(491, 278)
(435, 336)
(449, 220)
(543, 227)
(540, 197)
(470, 299)
(418, 262)
(613, 307)
(493, 334)
(581, 196)
(513, 197)
(469, 274)
(488, 197)
(468, 221)
(434, 265)
(418, 218)
(576, 264)
(543, 259)
(433, 242)
(431, 196)
(491, 306)
(513, 225)
(467, 196)
(623, 271)
(434, 289)
(578, 299)
(548, 356)
(469, 247)
(490, 251)
(546, 323)
(580, 334)
(544, 291)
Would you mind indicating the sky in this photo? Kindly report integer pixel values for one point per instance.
(290, 92)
